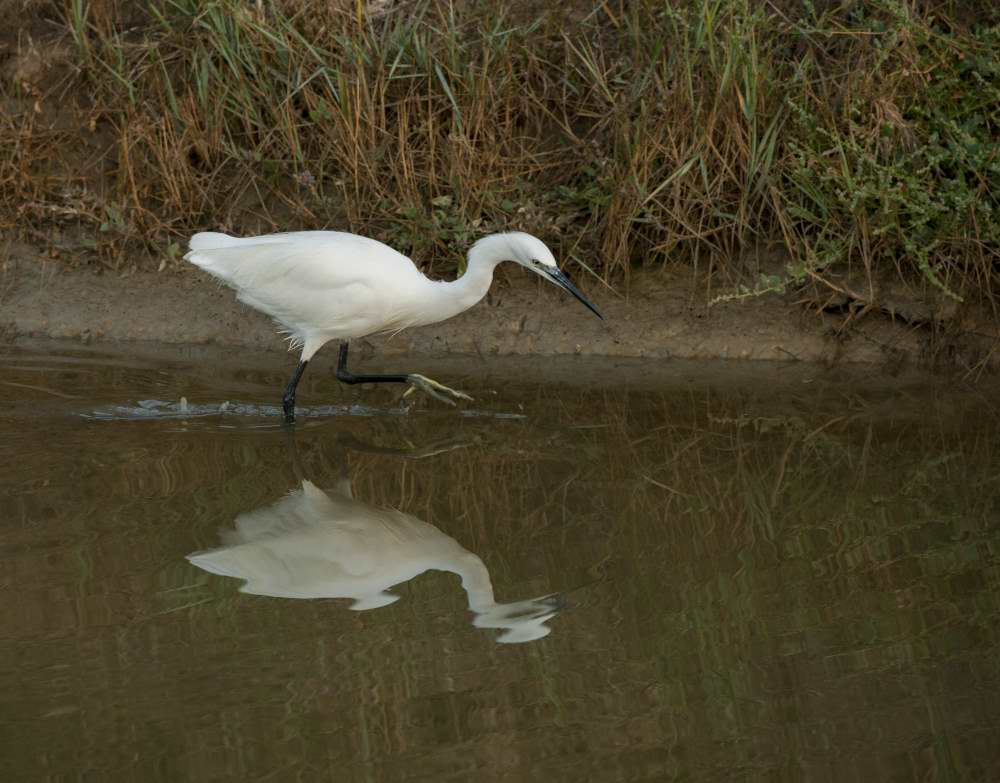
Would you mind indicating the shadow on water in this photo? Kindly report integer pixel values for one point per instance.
(773, 577)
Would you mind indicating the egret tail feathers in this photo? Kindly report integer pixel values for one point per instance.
(239, 260)
(212, 240)
(202, 246)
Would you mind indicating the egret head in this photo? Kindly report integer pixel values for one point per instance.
(531, 252)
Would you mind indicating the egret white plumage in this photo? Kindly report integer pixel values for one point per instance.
(329, 285)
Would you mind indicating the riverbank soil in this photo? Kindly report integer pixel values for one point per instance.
(726, 181)
(665, 316)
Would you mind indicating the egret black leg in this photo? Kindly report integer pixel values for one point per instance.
(426, 385)
(288, 399)
(345, 375)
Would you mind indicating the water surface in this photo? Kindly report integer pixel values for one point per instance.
(601, 572)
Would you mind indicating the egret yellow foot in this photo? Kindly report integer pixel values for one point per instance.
(436, 390)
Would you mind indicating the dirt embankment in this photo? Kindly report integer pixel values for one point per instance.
(103, 162)
(663, 317)
(131, 128)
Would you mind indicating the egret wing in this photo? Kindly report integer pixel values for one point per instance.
(313, 282)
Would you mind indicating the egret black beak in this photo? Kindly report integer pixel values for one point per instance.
(565, 283)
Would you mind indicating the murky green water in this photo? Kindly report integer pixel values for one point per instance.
(779, 575)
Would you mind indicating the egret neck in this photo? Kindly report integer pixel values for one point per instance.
(456, 296)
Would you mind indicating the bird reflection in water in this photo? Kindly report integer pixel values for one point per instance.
(316, 543)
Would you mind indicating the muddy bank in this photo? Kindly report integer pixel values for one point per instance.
(663, 317)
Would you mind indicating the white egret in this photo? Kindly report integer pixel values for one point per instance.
(316, 544)
(330, 285)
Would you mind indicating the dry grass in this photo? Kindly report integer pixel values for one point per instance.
(625, 134)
